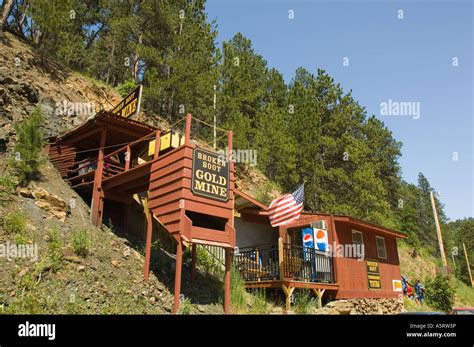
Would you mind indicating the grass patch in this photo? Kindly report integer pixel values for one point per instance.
(412, 306)
(259, 302)
(185, 306)
(81, 242)
(237, 291)
(464, 293)
(55, 249)
(7, 186)
(304, 303)
(14, 223)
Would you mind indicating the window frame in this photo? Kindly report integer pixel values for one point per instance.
(353, 231)
(384, 247)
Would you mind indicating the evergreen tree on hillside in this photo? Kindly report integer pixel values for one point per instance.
(27, 152)
(459, 232)
(243, 87)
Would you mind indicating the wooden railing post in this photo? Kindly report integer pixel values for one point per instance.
(157, 144)
(229, 149)
(128, 158)
(187, 133)
(280, 257)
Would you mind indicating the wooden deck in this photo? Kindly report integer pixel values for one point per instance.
(287, 267)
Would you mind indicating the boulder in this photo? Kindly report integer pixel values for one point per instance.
(53, 204)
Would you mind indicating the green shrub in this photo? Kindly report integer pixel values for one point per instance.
(264, 194)
(81, 242)
(185, 306)
(205, 260)
(14, 223)
(126, 87)
(439, 292)
(304, 303)
(28, 148)
(259, 301)
(55, 249)
(7, 186)
(237, 291)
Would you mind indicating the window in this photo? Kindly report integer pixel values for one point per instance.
(358, 242)
(357, 237)
(381, 250)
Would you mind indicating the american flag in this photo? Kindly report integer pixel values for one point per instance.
(287, 208)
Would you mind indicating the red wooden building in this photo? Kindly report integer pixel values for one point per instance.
(189, 191)
(112, 158)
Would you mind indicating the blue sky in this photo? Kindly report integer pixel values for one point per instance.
(405, 60)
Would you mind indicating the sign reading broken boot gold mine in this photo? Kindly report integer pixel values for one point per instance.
(373, 274)
(130, 104)
(210, 175)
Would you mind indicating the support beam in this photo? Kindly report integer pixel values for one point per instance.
(157, 144)
(187, 133)
(228, 261)
(177, 278)
(280, 258)
(193, 262)
(288, 293)
(128, 158)
(97, 204)
(319, 293)
(149, 230)
(467, 263)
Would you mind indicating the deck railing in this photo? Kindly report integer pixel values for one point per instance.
(284, 262)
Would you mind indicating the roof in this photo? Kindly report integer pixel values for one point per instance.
(356, 222)
(245, 201)
(120, 130)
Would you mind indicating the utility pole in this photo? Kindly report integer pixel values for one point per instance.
(215, 119)
(468, 266)
(438, 231)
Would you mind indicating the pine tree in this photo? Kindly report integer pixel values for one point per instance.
(28, 148)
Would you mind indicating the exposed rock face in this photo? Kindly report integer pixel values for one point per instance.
(364, 306)
(53, 204)
(27, 81)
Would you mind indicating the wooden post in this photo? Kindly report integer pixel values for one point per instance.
(280, 258)
(157, 144)
(334, 242)
(319, 293)
(128, 158)
(187, 133)
(288, 293)
(177, 278)
(97, 204)
(468, 266)
(438, 231)
(149, 231)
(228, 261)
(193, 262)
(229, 149)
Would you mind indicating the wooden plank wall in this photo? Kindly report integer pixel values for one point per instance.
(62, 156)
(170, 182)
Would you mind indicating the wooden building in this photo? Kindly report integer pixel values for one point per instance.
(189, 191)
(278, 258)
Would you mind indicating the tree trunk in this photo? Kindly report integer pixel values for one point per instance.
(7, 8)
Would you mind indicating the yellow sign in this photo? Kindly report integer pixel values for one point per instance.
(170, 139)
(373, 274)
(130, 104)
